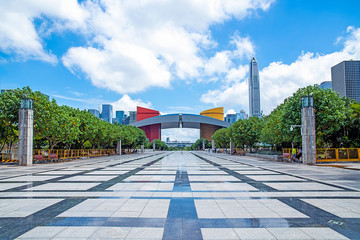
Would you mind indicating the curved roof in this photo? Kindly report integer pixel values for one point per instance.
(180, 121)
(217, 113)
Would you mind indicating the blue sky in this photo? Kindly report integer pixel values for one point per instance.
(173, 57)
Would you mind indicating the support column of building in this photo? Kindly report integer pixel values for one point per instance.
(308, 131)
(26, 129)
(154, 146)
(142, 149)
(203, 145)
(118, 148)
(231, 147)
(212, 145)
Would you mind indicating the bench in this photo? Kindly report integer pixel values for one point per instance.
(284, 157)
(39, 158)
(53, 157)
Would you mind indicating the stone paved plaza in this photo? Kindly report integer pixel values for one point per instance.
(178, 195)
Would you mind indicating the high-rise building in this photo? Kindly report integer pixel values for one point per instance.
(241, 115)
(126, 120)
(119, 115)
(132, 116)
(325, 85)
(230, 118)
(254, 89)
(345, 78)
(95, 112)
(168, 139)
(107, 112)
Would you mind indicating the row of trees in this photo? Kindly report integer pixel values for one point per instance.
(337, 123)
(62, 126)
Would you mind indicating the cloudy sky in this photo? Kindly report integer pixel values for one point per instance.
(174, 56)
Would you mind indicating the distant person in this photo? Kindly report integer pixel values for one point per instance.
(293, 154)
(298, 156)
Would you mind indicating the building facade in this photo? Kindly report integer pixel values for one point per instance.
(241, 115)
(345, 78)
(133, 117)
(95, 112)
(254, 89)
(325, 85)
(119, 115)
(230, 118)
(107, 112)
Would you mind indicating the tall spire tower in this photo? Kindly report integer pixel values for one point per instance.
(254, 89)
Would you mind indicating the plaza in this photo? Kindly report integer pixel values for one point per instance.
(178, 195)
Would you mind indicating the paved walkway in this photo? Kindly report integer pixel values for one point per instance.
(179, 195)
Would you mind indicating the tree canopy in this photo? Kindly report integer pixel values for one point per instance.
(62, 126)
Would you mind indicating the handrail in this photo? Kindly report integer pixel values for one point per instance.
(44, 155)
(334, 154)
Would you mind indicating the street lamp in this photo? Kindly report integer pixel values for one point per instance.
(292, 127)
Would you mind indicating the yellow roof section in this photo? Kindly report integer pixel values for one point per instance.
(217, 113)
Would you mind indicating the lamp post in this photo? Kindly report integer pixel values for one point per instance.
(26, 130)
(308, 130)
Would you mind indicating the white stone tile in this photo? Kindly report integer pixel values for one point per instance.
(254, 234)
(42, 232)
(145, 233)
(219, 233)
(289, 233)
(323, 233)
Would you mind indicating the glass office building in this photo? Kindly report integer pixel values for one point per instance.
(345, 78)
(325, 85)
(107, 112)
(254, 89)
(119, 115)
(95, 112)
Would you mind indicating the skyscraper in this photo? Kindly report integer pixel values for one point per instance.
(94, 112)
(132, 116)
(230, 118)
(345, 77)
(254, 89)
(107, 112)
(325, 85)
(120, 115)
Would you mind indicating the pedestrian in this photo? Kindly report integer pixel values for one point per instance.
(293, 154)
(298, 156)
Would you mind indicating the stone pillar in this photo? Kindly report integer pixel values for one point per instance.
(142, 149)
(154, 149)
(308, 131)
(26, 129)
(118, 148)
(203, 146)
(212, 145)
(231, 147)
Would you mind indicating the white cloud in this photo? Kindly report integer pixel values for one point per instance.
(230, 111)
(244, 47)
(218, 64)
(140, 44)
(18, 34)
(125, 103)
(181, 134)
(230, 97)
(279, 80)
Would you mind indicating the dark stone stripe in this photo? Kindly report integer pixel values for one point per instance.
(14, 227)
(182, 221)
(349, 227)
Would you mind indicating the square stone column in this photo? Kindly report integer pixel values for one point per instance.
(26, 136)
(308, 131)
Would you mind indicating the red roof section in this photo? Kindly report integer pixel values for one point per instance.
(144, 113)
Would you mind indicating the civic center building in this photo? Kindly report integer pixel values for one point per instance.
(151, 122)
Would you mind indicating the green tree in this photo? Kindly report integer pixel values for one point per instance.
(246, 132)
(222, 137)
